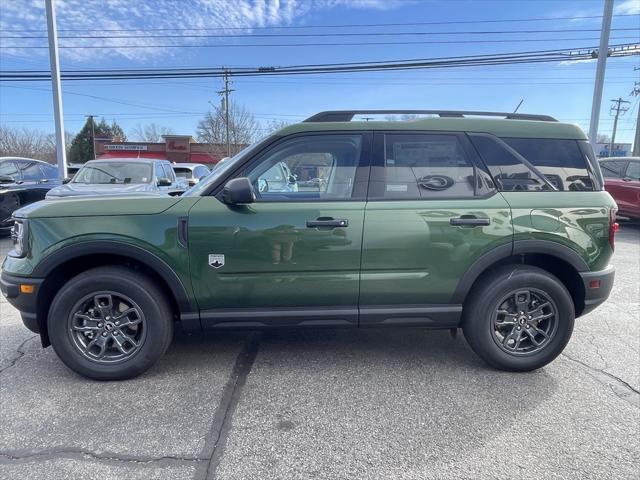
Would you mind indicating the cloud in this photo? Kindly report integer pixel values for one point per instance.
(576, 62)
(628, 7)
(106, 17)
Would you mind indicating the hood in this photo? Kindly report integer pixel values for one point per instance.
(73, 189)
(89, 206)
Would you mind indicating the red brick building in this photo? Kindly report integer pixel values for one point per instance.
(175, 148)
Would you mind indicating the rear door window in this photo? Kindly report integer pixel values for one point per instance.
(560, 161)
(420, 166)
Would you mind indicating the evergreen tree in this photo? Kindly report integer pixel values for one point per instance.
(82, 145)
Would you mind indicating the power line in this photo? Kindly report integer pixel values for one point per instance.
(544, 56)
(324, 34)
(528, 57)
(309, 44)
(348, 25)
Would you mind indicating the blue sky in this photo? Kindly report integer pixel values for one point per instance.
(561, 90)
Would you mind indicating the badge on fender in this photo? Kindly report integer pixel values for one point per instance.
(216, 260)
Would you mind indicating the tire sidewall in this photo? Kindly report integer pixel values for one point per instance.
(131, 284)
(478, 322)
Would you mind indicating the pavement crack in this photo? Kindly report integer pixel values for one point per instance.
(25, 456)
(617, 385)
(216, 440)
(20, 354)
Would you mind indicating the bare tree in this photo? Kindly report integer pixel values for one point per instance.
(28, 143)
(243, 129)
(151, 133)
(603, 138)
(273, 126)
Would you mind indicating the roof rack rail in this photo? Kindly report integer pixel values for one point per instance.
(347, 115)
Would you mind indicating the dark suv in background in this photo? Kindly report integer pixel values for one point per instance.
(23, 181)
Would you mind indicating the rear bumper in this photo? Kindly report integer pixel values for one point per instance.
(26, 303)
(597, 287)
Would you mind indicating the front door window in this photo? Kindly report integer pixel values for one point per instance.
(308, 168)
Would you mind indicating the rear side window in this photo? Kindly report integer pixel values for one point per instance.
(560, 161)
(613, 168)
(425, 166)
(508, 171)
(50, 171)
(30, 171)
(633, 170)
(166, 171)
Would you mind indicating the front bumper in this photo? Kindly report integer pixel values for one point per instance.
(26, 303)
(597, 287)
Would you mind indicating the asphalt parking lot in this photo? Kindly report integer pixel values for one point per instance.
(333, 404)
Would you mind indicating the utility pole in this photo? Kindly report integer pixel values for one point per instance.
(618, 108)
(603, 51)
(93, 134)
(225, 100)
(636, 141)
(52, 33)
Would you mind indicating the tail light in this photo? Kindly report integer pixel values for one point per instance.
(613, 228)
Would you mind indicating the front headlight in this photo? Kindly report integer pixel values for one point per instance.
(19, 235)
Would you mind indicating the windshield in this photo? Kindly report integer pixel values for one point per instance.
(221, 169)
(114, 173)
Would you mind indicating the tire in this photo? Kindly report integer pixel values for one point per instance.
(110, 346)
(492, 333)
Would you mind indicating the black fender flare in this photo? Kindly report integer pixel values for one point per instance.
(114, 247)
(518, 247)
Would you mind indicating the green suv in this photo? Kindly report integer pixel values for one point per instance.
(497, 225)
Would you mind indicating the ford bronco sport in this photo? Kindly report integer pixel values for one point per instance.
(499, 226)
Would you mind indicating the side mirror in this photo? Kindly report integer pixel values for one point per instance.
(238, 191)
(67, 180)
(6, 179)
(164, 182)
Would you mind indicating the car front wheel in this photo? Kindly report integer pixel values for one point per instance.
(518, 318)
(110, 323)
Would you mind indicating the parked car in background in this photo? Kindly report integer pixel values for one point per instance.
(23, 181)
(122, 176)
(622, 181)
(72, 169)
(190, 173)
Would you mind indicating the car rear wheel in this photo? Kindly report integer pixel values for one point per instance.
(110, 323)
(518, 318)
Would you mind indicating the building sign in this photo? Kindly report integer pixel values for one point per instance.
(177, 145)
(130, 148)
(619, 150)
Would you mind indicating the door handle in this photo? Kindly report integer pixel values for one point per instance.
(327, 222)
(470, 221)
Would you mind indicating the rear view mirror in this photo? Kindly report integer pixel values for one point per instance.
(164, 182)
(238, 191)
